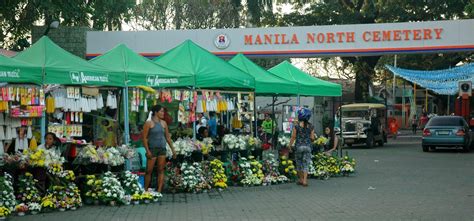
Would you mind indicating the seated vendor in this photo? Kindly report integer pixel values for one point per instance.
(203, 132)
(18, 144)
(51, 143)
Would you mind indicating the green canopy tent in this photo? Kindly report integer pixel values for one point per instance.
(139, 70)
(62, 67)
(14, 71)
(208, 70)
(307, 85)
(266, 83)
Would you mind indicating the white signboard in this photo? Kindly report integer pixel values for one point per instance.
(308, 41)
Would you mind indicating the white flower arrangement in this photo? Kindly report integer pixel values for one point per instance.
(282, 179)
(183, 146)
(111, 188)
(34, 207)
(233, 142)
(230, 141)
(156, 195)
(130, 183)
(53, 157)
(284, 141)
(190, 175)
(88, 155)
(126, 151)
(250, 178)
(7, 197)
(114, 157)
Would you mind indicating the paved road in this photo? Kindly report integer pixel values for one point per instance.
(394, 182)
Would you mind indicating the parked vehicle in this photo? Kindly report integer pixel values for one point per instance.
(446, 131)
(363, 123)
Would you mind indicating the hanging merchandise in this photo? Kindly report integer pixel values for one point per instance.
(2, 133)
(29, 133)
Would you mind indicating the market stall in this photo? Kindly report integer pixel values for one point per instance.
(210, 73)
(82, 99)
(21, 104)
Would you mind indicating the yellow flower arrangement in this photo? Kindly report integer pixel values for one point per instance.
(48, 202)
(136, 197)
(4, 211)
(147, 196)
(219, 179)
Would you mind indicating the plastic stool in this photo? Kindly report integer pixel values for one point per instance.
(142, 153)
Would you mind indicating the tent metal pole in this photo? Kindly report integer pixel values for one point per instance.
(273, 119)
(195, 115)
(255, 113)
(126, 119)
(339, 145)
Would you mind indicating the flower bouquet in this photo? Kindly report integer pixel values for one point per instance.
(112, 191)
(320, 142)
(156, 196)
(34, 208)
(219, 179)
(136, 198)
(254, 143)
(27, 191)
(190, 175)
(88, 155)
(56, 170)
(347, 165)
(230, 141)
(248, 177)
(35, 158)
(270, 169)
(4, 212)
(241, 143)
(93, 189)
(7, 196)
(17, 160)
(175, 181)
(184, 146)
(130, 183)
(207, 145)
(256, 169)
(51, 157)
(126, 151)
(114, 157)
(287, 168)
(147, 197)
(48, 202)
(283, 141)
(322, 166)
(21, 209)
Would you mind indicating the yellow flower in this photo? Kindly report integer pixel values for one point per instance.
(291, 167)
(283, 163)
(294, 172)
(286, 170)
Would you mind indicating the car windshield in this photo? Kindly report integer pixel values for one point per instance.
(355, 113)
(446, 121)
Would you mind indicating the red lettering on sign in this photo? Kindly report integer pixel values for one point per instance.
(386, 35)
(376, 35)
(364, 36)
(310, 38)
(320, 38)
(248, 40)
(438, 32)
(277, 41)
(294, 39)
(397, 35)
(417, 34)
(427, 34)
(284, 40)
(330, 37)
(258, 40)
(268, 39)
(350, 37)
(340, 35)
(407, 34)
